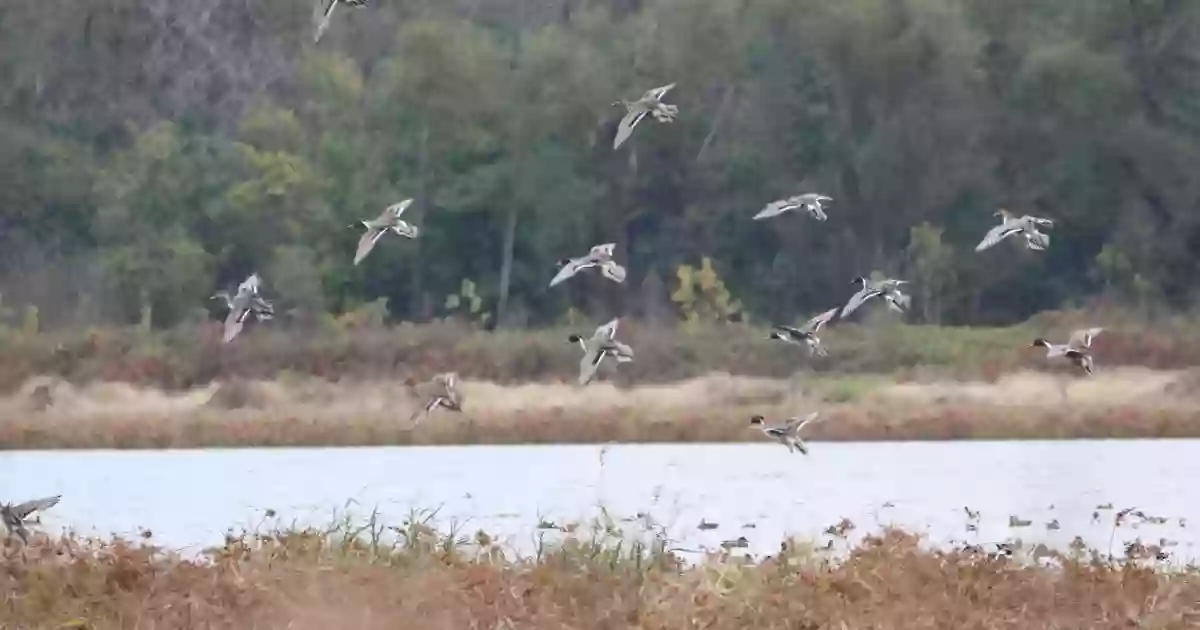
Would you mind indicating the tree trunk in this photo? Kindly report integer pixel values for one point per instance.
(414, 280)
(510, 237)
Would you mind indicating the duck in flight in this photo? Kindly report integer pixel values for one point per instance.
(388, 221)
(807, 334)
(788, 433)
(600, 256)
(888, 289)
(1026, 226)
(602, 344)
(441, 392)
(330, 5)
(1077, 350)
(245, 302)
(14, 515)
(635, 111)
(809, 202)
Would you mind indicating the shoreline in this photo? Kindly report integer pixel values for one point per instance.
(1119, 403)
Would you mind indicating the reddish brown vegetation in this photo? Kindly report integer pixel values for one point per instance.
(306, 580)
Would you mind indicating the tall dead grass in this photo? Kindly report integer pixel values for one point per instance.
(193, 355)
(304, 411)
(350, 578)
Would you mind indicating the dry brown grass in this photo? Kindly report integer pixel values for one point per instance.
(322, 580)
(1118, 402)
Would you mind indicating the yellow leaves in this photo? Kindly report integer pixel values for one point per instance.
(702, 295)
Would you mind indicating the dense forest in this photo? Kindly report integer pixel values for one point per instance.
(153, 151)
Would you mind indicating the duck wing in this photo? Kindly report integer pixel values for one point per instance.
(814, 325)
(571, 268)
(323, 20)
(589, 364)
(857, 300)
(1037, 241)
(656, 94)
(628, 122)
(1082, 339)
(613, 271)
(776, 208)
(793, 333)
(997, 234)
(22, 510)
(608, 331)
(233, 323)
(395, 210)
(794, 425)
(621, 351)
(367, 242)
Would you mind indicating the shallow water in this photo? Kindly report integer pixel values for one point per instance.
(189, 498)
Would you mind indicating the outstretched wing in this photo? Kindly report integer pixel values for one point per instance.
(612, 271)
(21, 510)
(776, 208)
(571, 268)
(997, 234)
(814, 325)
(589, 364)
(628, 122)
(604, 251)
(658, 93)
(233, 323)
(367, 243)
(794, 333)
(857, 300)
(1037, 241)
(395, 210)
(323, 20)
(1082, 339)
(794, 425)
(608, 331)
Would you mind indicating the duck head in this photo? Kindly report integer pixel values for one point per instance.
(775, 335)
(1040, 342)
(575, 338)
(861, 281)
(562, 262)
(756, 420)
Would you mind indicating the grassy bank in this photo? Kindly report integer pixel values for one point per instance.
(349, 578)
(1116, 403)
(194, 355)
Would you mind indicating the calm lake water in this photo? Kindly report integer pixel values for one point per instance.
(189, 498)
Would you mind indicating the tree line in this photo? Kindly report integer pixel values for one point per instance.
(152, 151)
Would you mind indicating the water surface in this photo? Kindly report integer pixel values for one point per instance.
(189, 498)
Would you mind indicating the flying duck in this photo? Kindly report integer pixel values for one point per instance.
(602, 344)
(809, 202)
(806, 334)
(787, 434)
(1077, 350)
(1026, 226)
(388, 221)
(888, 289)
(635, 111)
(14, 515)
(600, 256)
